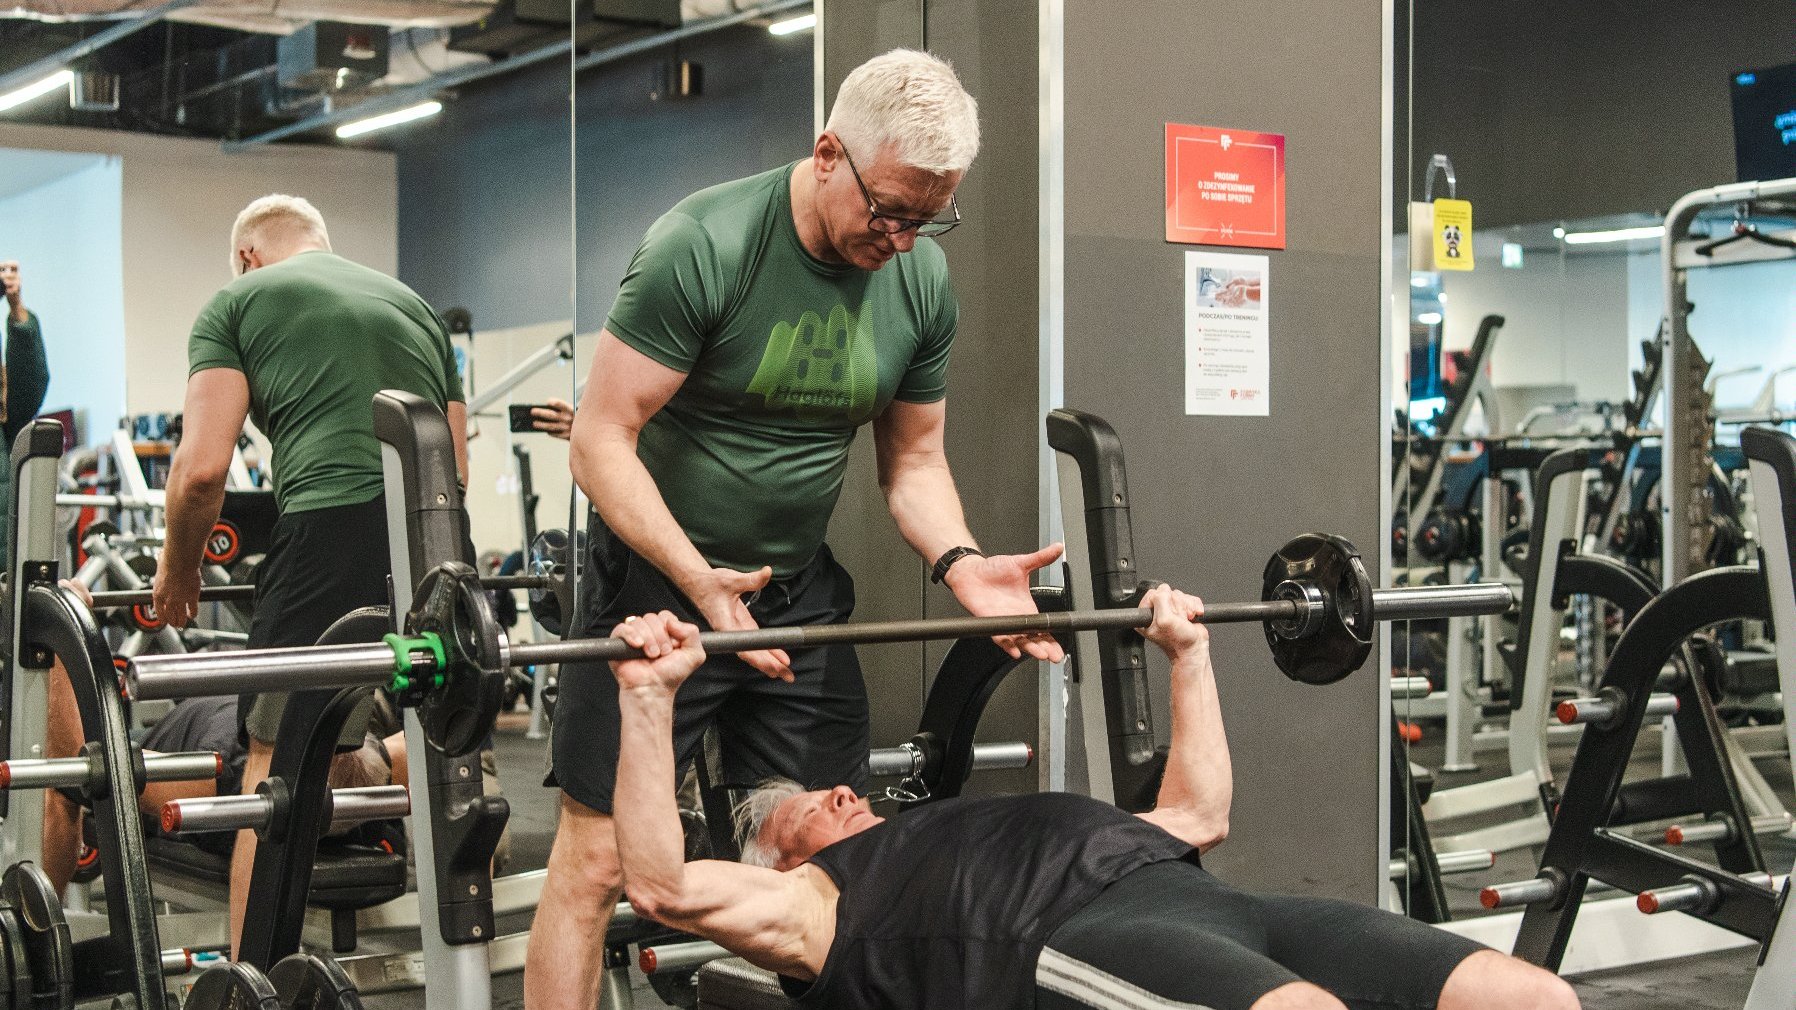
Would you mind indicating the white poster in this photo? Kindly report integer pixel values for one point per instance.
(1227, 350)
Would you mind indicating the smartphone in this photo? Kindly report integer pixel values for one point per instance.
(520, 416)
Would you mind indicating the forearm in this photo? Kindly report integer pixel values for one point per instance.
(193, 504)
(1199, 781)
(624, 494)
(650, 842)
(926, 505)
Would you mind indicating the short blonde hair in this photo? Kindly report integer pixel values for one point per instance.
(914, 102)
(276, 219)
(751, 815)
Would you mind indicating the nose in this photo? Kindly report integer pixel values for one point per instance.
(903, 241)
(841, 797)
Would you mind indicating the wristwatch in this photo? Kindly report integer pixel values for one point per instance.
(939, 570)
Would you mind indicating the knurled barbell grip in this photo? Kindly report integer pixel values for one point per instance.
(310, 667)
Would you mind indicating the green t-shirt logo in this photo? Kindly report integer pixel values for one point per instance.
(820, 369)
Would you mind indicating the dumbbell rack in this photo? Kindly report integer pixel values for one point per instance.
(1582, 845)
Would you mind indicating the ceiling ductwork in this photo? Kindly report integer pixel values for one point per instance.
(270, 16)
(280, 17)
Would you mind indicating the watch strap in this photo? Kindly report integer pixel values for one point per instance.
(939, 570)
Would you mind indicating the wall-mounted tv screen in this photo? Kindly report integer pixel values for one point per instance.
(1765, 123)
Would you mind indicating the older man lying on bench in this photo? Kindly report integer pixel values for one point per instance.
(1050, 900)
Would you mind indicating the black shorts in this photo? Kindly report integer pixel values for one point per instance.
(202, 724)
(1183, 936)
(813, 730)
(320, 565)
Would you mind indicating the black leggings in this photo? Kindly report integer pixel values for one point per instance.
(1170, 936)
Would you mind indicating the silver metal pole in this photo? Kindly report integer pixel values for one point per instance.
(298, 668)
(65, 773)
(891, 762)
(349, 807)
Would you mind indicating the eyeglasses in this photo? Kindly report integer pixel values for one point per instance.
(892, 224)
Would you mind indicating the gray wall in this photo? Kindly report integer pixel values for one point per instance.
(1571, 109)
(485, 195)
(1214, 497)
(992, 423)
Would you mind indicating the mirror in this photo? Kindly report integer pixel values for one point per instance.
(1539, 327)
(434, 140)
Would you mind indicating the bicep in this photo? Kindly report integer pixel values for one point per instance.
(217, 405)
(624, 388)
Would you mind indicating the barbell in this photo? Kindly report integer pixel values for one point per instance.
(1317, 607)
(246, 592)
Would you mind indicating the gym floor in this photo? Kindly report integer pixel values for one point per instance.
(1719, 981)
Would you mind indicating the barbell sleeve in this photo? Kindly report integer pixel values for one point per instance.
(178, 961)
(1608, 705)
(1693, 894)
(1721, 829)
(1466, 861)
(679, 957)
(905, 759)
(77, 773)
(298, 668)
(348, 807)
(1544, 888)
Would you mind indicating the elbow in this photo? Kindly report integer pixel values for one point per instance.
(1211, 833)
(660, 903)
(187, 477)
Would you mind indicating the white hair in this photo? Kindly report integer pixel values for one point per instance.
(278, 220)
(750, 816)
(912, 101)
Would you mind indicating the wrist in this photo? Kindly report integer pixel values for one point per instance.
(942, 571)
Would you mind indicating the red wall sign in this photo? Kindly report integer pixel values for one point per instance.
(1225, 187)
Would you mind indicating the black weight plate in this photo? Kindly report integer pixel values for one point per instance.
(1344, 640)
(232, 985)
(12, 937)
(310, 982)
(48, 946)
(458, 715)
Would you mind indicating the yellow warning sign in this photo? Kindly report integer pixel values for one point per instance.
(1452, 234)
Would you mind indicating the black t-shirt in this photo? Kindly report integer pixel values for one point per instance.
(948, 905)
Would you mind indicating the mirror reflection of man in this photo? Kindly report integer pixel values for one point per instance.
(25, 377)
(301, 340)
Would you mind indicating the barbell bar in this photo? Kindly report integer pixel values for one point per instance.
(244, 593)
(1294, 612)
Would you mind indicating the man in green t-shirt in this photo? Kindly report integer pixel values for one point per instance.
(24, 377)
(300, 342)
(760, 325)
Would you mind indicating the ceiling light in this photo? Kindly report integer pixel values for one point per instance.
(1558, 232)
(1429, 318)
(801, 23)
(59, 79)
(1652, 231)
(381, 122)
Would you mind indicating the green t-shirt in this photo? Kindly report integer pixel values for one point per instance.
(317, 336)
(785, 356)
